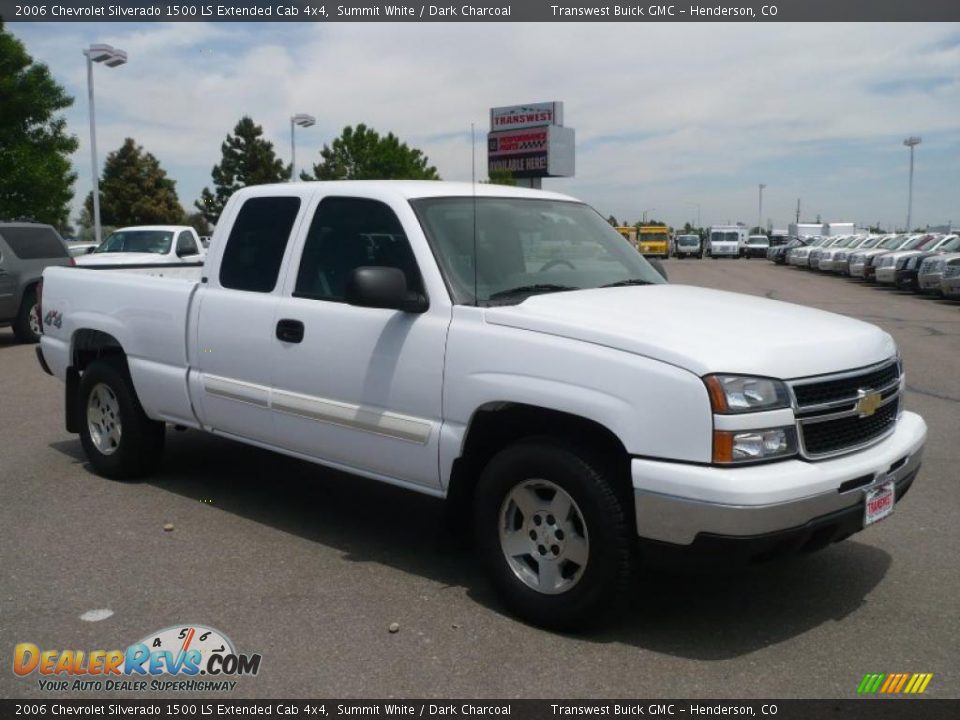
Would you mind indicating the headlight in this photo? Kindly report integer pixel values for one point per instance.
(753, 445)
(740, 393)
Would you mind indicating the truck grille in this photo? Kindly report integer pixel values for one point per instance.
(831, 419)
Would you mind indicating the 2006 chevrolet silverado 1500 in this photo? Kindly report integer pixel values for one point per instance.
(482, 344)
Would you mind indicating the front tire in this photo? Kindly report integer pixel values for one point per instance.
(26, 326)
(119, 439)
(553, 534)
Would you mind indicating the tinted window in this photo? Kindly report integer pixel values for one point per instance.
(257, 240)
(137, 241)
(347, 233)
(33, 243)
(186, 245)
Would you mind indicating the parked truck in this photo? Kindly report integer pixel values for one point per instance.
(654, 240)
(482, 344)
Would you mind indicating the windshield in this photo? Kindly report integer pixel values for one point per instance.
(758, 240)
(718, 236)
(524, 247)
(141, 241)
(911, 244)
(950, 245)
(688, 240)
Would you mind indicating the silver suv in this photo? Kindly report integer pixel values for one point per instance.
(25, 250)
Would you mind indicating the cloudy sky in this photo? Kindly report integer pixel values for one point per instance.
(667, 117)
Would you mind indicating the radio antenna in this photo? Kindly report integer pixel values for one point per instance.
(473, 184)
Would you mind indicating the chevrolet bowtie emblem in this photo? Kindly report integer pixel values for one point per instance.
(867, 402)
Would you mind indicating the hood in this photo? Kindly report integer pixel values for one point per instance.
(122, 258)
(703, 330)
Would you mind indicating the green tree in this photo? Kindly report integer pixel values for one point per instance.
(613, 221)
(135, 190)
(501, 177)
(247, 159)
(36, 182)
(362, 154)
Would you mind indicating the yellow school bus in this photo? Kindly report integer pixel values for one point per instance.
(654, 240)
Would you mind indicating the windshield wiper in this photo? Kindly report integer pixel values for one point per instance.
(530, 290)
(631, 281)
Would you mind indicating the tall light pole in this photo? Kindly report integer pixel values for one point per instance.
(697, 206)
(111, 57)
(304, 121)
(911, 142)
(760, 211)
(645, 214)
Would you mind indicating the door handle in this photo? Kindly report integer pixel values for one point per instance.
(290, 331)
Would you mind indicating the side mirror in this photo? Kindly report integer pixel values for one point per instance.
(658, 266)
(385, 288)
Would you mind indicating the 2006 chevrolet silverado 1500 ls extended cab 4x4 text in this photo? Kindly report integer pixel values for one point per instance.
(482, 344)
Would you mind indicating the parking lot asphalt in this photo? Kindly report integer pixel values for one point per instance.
(310, 567)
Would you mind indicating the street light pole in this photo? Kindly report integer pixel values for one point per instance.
(911, 142)
(305, 121)
(111, 57)
(760, 211)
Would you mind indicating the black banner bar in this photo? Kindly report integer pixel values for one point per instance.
(480, 11)
(184, 708)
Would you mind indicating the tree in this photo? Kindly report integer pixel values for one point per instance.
(36, 182)
(198, 222)
(501, 177)
(135, 190)
(613, 221)
(361, 154)
(247, 159)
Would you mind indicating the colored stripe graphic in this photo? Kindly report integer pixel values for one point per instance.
(893, 683)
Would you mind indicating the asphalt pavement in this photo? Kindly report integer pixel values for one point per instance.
(310, 568)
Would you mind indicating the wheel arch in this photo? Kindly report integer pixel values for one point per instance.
(495, 425)
(86, 346)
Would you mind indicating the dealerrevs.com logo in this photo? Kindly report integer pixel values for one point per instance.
(178, 658)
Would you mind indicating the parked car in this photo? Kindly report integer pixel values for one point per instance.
(25, 250)
(891, 267)
(931, 271)
(482, 344)
(757, 246)
(813, 259)
(861, 259)
(726, 241)
(907, 276)
(800, 256)
(688, 246)
(147, 245)
(950, 280)
(825, 261)
(873, 260)
(839, 261)
(777, 254)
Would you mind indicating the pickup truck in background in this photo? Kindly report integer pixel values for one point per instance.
(147, 245)
(482, 344)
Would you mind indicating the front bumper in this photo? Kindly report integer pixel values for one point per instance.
(857, 270)
(950, 287)
(929, 282)
(886, 275)
(677, 502)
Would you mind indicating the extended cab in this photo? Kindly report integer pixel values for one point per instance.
(482, 344)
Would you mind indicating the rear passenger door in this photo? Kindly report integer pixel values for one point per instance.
(358, 387)
(236, 320)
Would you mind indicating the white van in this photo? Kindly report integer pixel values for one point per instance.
(726, 240)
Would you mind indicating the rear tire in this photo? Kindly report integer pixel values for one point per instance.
(26, 326)
(553, 534)
(119, 439)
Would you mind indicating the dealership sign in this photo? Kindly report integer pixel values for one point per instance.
(529, 141)
(525, 116)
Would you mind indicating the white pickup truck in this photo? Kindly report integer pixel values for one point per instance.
(482, 344)
(147, 247)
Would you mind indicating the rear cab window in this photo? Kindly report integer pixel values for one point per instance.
(254, 252)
